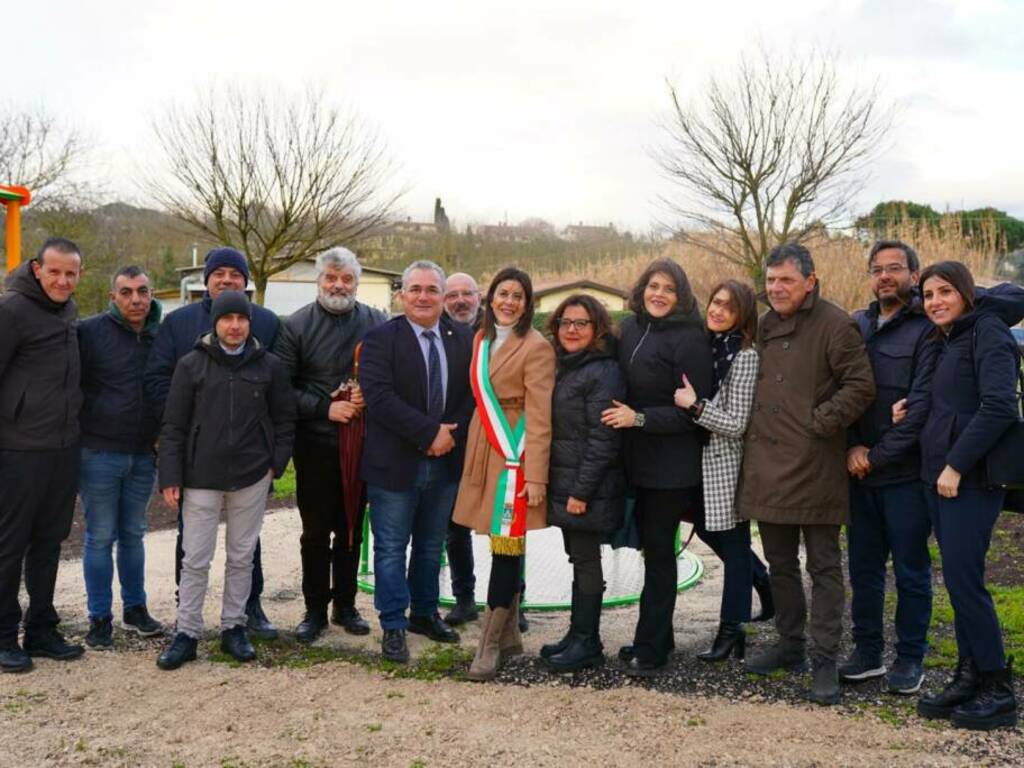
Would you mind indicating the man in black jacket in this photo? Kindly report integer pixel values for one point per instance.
(39, 404)
(317, 346)
(887, 505)
(228, 429)
(119, 428)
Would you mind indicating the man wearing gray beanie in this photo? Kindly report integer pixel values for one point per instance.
(228, 428)
(226, 270)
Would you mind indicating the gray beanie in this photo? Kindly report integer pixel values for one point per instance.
(230, 302)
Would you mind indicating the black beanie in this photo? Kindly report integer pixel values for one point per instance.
(225, 257)
(229, 302)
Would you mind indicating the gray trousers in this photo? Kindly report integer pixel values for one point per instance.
(200, 513)
(824, 563)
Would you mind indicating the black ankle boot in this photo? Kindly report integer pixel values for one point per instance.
(550, 649)
(764, 594)
(731, 639)
(995, 705)
(961, 689)
(584, 648)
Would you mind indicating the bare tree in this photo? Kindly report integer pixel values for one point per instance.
(37, 152)
(280, 178)
(769, 157)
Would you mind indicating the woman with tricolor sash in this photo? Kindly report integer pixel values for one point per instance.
(505, 474)
(662, 342)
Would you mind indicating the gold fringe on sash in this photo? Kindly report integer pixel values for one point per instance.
(512, 546)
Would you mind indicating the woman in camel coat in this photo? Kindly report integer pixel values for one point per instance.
(503, 490)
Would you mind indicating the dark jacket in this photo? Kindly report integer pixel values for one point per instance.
(654, 355)
(228, 420)
(815, 381)
(972, 387)
(393, 377)
(584, 460)
(898, 352)
(116, 415)
(39, 367)
(178, 335)
(317, 349)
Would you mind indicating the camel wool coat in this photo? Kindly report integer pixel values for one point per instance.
(523, 376)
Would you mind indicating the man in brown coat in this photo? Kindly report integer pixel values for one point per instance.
(815, 381)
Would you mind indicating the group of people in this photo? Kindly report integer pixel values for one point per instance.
(803, 420)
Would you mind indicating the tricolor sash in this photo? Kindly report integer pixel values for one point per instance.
(508, 513)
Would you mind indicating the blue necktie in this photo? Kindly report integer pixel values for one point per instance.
(435, 390)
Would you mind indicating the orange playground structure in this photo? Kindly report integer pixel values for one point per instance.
(13, 199)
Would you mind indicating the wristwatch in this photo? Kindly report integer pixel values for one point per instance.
(639, 419)
(697, 408)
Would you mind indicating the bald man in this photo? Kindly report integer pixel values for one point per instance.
(462, 299)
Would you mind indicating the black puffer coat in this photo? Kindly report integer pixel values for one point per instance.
(585, 461)
(655, 353)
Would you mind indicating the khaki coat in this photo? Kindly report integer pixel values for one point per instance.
(815, 380)
(523, 376)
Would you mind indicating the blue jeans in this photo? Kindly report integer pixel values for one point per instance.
(742, 568)
(883, 520)
(115, 490)
(963, 527)
(420, 514)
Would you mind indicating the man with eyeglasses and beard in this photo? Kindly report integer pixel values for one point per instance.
(317, 345)
(887, 503)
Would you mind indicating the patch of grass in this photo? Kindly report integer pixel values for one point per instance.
(22, 699)
(285, 486)
(693, 722)
(418, 764)
(1009, 603)
(394, 695)
(933, 553)
(375, 727)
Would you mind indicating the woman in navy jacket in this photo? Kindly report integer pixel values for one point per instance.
(973, 401)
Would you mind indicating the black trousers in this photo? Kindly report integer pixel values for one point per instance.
(506, 576)
(584, 551)
(460, 560)
(37, 502)
(329, 564)
(741, 564)
(658, 513)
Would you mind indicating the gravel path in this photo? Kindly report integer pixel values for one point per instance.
(118, 709)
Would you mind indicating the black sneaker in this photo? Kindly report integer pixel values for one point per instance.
(182, 649)
(137, 619)
(465, 610)
(52, 645)
(861, 665)
(825, 682)
(235, 643)
(13, 659)
(394, 647)
(101, 634)
(905, 676)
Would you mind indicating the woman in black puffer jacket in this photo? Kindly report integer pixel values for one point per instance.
(663, 341)
(586, 484)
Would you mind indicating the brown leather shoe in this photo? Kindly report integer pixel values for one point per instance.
(488, 652)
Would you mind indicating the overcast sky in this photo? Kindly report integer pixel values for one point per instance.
(535, 108)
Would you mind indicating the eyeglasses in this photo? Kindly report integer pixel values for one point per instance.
(579, 325)
(889, 269)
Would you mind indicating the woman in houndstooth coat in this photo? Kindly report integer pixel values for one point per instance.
(732, 325)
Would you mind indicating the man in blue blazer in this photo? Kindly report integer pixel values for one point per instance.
(226, 270)
(414, 372)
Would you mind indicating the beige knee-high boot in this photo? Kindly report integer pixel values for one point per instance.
(488, 651)
(511, 642)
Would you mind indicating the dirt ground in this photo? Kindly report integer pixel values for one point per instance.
(118, 709)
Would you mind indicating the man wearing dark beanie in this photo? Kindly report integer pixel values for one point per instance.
(226, 270)
(228, 427)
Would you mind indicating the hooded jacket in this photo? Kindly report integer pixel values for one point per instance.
(116, 414)
(39, 367)
(899, 351)
(971, 389)
(178, 334)
(654, 353)
(585, 461)
(228, 419)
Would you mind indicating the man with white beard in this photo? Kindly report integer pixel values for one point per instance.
(317, 345)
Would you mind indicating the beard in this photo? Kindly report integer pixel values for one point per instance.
(338, 303)
(904, 295)
(463, 313)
